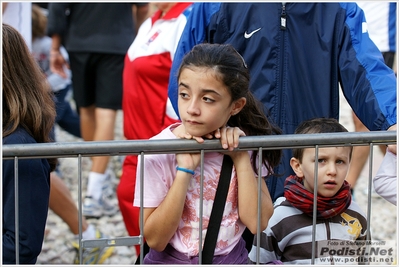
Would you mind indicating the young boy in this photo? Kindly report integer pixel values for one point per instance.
(288, 236)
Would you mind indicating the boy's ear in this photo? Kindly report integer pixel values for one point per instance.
(296, 167)
(238, 105)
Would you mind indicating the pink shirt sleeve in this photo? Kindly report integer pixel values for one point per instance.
(159, 172)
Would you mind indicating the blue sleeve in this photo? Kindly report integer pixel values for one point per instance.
(193, 33)
(34, 192)
(392, 26)
(368, 84)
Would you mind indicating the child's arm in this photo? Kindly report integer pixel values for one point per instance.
(248, 194)
(385, 181)
(161, 223)
(247, 182)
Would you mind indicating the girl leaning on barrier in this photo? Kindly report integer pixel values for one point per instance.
(214, 102)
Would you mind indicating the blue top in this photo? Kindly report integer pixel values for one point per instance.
(34, 193)
(297, 68)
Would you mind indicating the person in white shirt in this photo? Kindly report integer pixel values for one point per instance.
(386, 179)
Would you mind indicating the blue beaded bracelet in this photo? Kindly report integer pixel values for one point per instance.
(185, 170)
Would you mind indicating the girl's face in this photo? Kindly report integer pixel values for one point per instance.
(333, 166)
(204, 101)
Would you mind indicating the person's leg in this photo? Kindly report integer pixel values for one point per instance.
(83, 85)
(62, 204)
(87, 122)
(98, 124)
(98, 119)
(360, 155)
(104, 131)
(83, 82)
(107, 100)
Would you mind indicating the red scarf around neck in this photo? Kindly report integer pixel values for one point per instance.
(327, 207)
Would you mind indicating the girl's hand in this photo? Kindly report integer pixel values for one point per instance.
(199, 139)
(229, 137)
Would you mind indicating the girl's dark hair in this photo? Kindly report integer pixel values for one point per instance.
(314, 126)
(232, 70)
(27, 98)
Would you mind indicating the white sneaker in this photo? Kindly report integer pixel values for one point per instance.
(110, 182)
(105, 205)
(93, 208)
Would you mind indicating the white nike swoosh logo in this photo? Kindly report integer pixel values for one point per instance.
(248, 35)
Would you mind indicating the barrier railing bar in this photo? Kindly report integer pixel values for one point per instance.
(260, 180)
(77, 149)
(369, 192)
(16, 203)
(316, 172)
(80, 209)
(125, 147)
(201, 211)
(108, 242)
(141, 208)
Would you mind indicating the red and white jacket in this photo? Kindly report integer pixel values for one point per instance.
(146, 107)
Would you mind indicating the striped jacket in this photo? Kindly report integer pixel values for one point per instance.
(288, 236)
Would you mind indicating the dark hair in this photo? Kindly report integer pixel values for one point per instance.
(231, 69)
(27, 98)
(39, 22)
(317, 125)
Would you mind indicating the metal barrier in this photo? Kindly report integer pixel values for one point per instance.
(143, 147)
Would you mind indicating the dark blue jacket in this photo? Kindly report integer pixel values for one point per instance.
(34, 192)
(297, 68)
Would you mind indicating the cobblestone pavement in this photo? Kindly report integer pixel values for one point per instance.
(57, 248)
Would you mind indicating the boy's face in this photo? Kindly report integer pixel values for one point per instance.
(333, 166)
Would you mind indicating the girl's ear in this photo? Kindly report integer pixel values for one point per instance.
(296, 167)
(238, 105)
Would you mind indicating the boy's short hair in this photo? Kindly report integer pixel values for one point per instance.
(317, 125)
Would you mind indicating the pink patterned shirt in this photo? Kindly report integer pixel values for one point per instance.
(159, 173)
